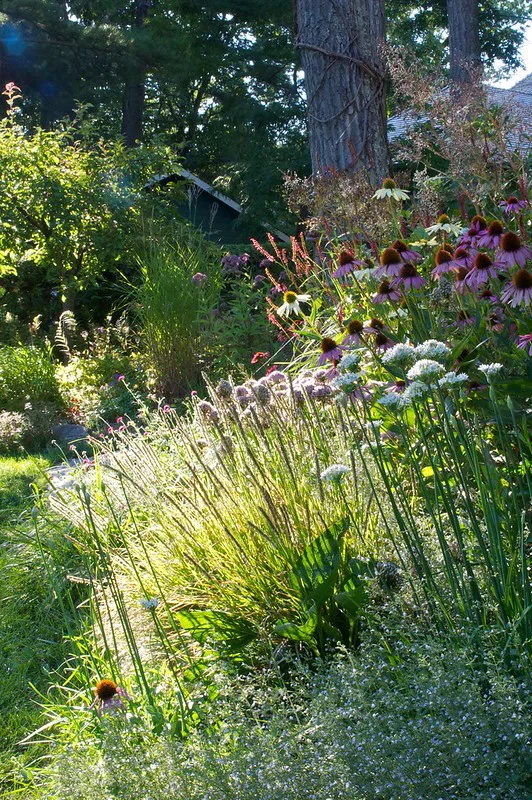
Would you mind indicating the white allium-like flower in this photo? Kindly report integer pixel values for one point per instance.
(434, 349)
(291, 302)
(392, 400)
(415, 391)
(349, 362)
(426, 370)
(400, 355)
(490, 370)
(334, 473)
(149, 603)
(347, 381)
(451, 380)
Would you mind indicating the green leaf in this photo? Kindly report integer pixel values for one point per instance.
(235, 632)
(300, 633)
(352, 600)
(315, 572)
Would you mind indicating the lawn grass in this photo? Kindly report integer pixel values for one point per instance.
(31, 639)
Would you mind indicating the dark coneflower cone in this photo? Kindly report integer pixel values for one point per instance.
(376, 323)
(389, 183)
(380, 339)
(460, 252)
(384, 287)
(448, 247)
(400, 246)
(512, 199)
(495, 228)
(479, 222)
(345, 257)
(390, 256)
(510, 242)
(482, 261)
(443, 219)
(442, 256)
(408, 271)
(105, 689)
(522, 279)
(461, 273)
(355, 326)
(327, 345)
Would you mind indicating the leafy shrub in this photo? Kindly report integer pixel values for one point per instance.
(26, 376)
(355, 728)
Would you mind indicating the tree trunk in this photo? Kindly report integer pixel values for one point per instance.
(135, 89)
(464, 41)
(344, 82)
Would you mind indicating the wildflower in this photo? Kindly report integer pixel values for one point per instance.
(409, 278)
(199, 278)
(386, 291)
(460, 284)
(346, 381)
(224, 389)
(482, 270)
(390, 263)
(452, 380)
(398, 387)
(490, 370)
(149, 603)
(391, 400)
(444, 225)
(479, 223)
(375, 325)
(330, 351)
(321, 391)
(524, 341)
(209, 411)
(388, 576)
(353, 332)
(259, 357)
(491, 237)
(243, 396)
(257, 280)
(426, 370)
(389, 189)
(347, 263)
(108, 697)
(432, 348)
(463, 319)
(262, 393)
(382, 342)
(512, 205)
(166, 409)
(334, 473)
(276, 376)
(291, 302)
(519, 290)
(444, 263)
(120, 378)
(349, 361)
(405, 252)
(462, 258)
(512, 252)
(414, 391)
(401, 355)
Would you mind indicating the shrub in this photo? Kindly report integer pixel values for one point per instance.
(26, 376)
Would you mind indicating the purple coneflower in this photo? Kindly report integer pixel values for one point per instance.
(347, 264)
(382, 342)
(409, 278)
(375, 325)
(462, 258)
(491, 237)
(524, 341)
(354, 330)
(482, 270)
(478, 225)
(390, 263)
(519, 290)
(444, 263)
(512, 205)
(460, 284)
(463, 320)
(108, 697)
(512, 251)
(398, 387)
(405, 252)
(330, 351)
(386, 291)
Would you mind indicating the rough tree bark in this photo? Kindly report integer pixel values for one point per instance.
(135, 90)
(464, 40)
(344, 82)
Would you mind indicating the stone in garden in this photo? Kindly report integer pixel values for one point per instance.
(69, 432)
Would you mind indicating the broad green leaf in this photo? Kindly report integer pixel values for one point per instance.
(352, 600)
(303, 632)
(315, 572)
(235, 632)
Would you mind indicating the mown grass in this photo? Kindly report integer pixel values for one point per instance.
(31, 639)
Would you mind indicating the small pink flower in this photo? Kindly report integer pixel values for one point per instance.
(259, 357)
(108, 697)
(166, 409)
(109, 430)
(199, 278)
(121, 378)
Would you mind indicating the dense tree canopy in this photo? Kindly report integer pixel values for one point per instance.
(220, 80)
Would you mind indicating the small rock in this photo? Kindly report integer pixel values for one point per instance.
(68, 433)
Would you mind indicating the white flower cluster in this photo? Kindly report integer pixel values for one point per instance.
(346, 382)
(452, 380)
(433, 349)
(334, 473)
(426, 370)
(349, 362)
(149, 603)
(490, 370)
(400, 355)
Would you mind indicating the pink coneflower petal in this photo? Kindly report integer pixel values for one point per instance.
(386, 291)
(390, 263)
(409, 278)
(512, 251)
(519, 290)
(524, 341)
(408, 255)
(330, 351)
